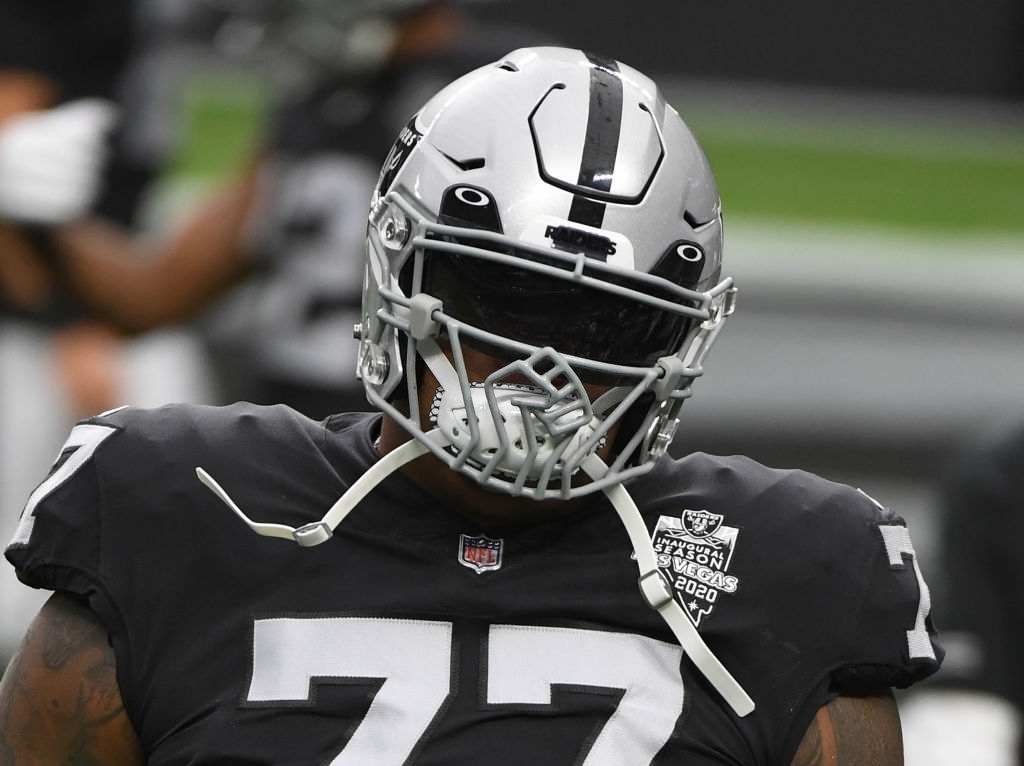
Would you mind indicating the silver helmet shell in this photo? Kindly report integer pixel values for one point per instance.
(568, 169)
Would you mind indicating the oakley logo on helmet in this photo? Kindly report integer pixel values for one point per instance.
(471, 196)
(682, 263)
(470, 206)
(690, 253)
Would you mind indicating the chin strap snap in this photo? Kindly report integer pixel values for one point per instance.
(658, 594)
(318, 532)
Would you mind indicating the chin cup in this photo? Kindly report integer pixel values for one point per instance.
(524, 430)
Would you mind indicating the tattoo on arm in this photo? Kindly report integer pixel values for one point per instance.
(853, 731)
(59, 698)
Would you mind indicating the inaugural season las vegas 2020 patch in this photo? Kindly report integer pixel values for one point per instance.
(694, 551)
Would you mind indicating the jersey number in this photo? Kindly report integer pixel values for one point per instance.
(83, 439)
(897, 545)
(414, 659)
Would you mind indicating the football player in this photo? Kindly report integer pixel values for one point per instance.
(502, 565)
(66, 150)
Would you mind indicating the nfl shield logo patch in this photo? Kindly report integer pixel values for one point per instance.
(480, 553)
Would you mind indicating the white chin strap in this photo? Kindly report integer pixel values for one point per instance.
(321, 531)
(660, 597)
(656, 591)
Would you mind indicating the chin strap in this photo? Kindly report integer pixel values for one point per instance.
(657, 592)
(660, 597)
(321, 531)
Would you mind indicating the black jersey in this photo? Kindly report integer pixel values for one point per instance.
(416, 636)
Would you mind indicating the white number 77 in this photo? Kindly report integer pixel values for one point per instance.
(415, 659)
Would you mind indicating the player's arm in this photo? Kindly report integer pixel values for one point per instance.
(59, 699)
(140, 288)
(853, 731)
(23, 281)
(136, 286)
(22, 91)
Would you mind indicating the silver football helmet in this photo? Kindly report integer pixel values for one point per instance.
(551, 210)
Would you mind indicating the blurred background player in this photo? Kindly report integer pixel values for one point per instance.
(82, 133)
(288, 237)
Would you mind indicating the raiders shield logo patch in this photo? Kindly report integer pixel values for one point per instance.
(701, 523)
(694, 551)
(480, 553)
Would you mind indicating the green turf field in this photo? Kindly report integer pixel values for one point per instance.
(937, 182)
(886, 177)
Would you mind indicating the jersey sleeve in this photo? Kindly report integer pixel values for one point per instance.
(893, 642)
(59, 541)
(865, 622)
(57, 544)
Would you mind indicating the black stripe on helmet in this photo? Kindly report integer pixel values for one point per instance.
(601, 144)
(586, 211)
